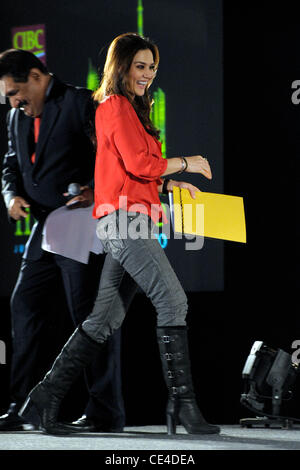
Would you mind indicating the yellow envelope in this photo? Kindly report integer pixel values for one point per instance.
(209, 215)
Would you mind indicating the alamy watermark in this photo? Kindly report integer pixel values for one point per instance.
(133, 222)
(2, 352)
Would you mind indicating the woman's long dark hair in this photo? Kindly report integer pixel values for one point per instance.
(114, 79)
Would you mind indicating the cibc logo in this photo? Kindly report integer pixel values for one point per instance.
(31, 38)
(2, 352)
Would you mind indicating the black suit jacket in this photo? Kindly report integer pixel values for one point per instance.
(64, 154)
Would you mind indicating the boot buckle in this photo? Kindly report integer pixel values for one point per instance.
(165, 339)
(173, 374)
(169, 356)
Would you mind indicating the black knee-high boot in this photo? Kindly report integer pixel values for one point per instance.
(45, 398)
(182, 407)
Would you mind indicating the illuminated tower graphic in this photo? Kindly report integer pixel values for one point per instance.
(158, 116)
(23, 226)
(92, 81)
(140, 18)
(158, 111)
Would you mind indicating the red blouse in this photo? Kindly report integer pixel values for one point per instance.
(128, 162)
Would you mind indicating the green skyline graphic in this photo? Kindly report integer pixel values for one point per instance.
(158, 111)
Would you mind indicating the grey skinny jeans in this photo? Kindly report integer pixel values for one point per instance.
(132, 261)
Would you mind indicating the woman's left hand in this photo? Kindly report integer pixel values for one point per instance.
(183, 185)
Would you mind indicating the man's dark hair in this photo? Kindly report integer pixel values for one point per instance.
(17, 64)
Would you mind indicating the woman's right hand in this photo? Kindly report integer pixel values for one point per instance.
(198, 164)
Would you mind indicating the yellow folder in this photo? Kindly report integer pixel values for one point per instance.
(209, 215)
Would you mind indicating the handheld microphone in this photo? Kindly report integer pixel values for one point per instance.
(74, 189)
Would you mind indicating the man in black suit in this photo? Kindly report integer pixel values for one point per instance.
(37, 169)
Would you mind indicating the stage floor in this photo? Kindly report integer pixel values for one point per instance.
(154, 438)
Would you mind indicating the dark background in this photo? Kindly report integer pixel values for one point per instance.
(230, 98)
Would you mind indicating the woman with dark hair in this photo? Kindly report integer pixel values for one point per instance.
(129, 166)
(116, 75)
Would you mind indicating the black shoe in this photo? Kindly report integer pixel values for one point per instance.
(12, 422)
(89, 425)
